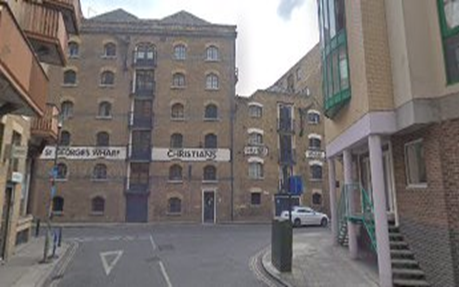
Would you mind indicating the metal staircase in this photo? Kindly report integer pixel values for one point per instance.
(406, 271)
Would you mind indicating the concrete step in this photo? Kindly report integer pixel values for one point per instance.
(394, 229)
(395, 237)
(401, 254)
(398, 245)
(408, 273)
(410, 283)
(404, 263)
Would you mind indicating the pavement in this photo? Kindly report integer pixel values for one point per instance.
(316, 263)
(24, 269)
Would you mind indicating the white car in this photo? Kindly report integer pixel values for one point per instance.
(306, 216)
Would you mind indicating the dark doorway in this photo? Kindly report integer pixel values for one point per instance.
(5, 223)
(136, 208)
(209, 207)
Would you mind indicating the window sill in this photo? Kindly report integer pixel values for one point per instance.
(69, 85)
(206, 181)
(175, 181)
(417, 186)
(174, 214)
(212, 89)
(104, 118)
(179, 119)
(177, 87)
(257, 178)
(97, 213)
(313, 123)
(108, 57)
(106, 86)
(212, 119)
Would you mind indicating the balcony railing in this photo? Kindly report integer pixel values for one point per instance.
(71, 9)
(46, 127)
(144, 59)
(143, 89)
(46, 31)
(287, 157)
(286, 125)
(140, 121)
(138, 188)
(20, 69)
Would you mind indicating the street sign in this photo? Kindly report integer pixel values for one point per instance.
(19, 152)
(17, 177)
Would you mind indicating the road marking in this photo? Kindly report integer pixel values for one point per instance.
(153, 244)
(166, 277)
(253, 265)
(107, 265)
(109, 238)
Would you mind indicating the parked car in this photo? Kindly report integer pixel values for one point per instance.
(302, 215)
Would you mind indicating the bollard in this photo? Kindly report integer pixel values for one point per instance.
(37, 228)
(59, 241)
(54, 244)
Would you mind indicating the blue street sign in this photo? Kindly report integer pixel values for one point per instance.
(53, 172)
(296, 185)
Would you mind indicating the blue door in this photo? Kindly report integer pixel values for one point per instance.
(136, 208)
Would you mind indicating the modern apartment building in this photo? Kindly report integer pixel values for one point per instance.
(279, 134)
(147, 109)
(390, 78)
(33, 36)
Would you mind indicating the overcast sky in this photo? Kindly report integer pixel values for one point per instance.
(272, 34)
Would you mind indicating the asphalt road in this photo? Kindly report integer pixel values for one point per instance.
(165, 255)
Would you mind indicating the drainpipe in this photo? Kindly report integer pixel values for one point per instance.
(232, 119)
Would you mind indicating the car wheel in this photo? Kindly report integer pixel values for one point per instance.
(324, 222)
(297, 222)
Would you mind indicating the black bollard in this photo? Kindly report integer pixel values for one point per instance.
(37, 228)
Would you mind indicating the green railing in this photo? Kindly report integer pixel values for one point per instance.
(366, 217)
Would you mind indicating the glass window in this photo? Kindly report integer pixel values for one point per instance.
(313, 118)
(415, 163)
(255, 111)
(343, 69)
(70, 77)
(102, 139)
(144, 51)
(175, 172)
(255, 198)
(107, 78)
(316, 172)
(58, 204)
(210, 141)
(180, 52)
(74, 49)
(177, 111)
(67, 109)
(110, 50)
(314, 143)
(210, 173)
(451, 8)
(61, 171)
(211, 112)
(139, 175)
(255, 139)
(105, 109)
(174, 205)
(212, 82)
(212, 53)
(317, 199)
(178, 80)
(176, 141)
(98, 204)
(255, 170)
(100, 171)
(64, 139)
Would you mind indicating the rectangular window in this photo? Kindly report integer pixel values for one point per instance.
(415, 163)
(255, 198)
(256, 170)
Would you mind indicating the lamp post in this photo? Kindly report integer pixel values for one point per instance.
(54, 173)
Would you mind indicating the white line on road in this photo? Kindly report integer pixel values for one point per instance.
(166, 277)
(108, 266)
(153, 244)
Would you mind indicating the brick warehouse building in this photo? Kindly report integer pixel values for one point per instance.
(146, 135)
(391, 98)
(279, 133)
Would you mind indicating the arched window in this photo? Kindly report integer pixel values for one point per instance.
(102, 139)
(67, 109)
(211, 112)
(317, 198)
(178, 80)
(74, 49)
(180, 52)
(98, 204)
(175, 172)
(174, 205)
(255, 170)
(210, 141)
(70, 77)
(58, 204)
(110, 50)
(255, 139)
(212, 82)
(99, 172)
(210, 173)
(107, 78)
(144, 53)
(61, 171)
(105, 110)
(316, 171)
(315, 143)
(64, 139)
(212, 53)
(176, 141)
(313, 117)
(177, 111)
